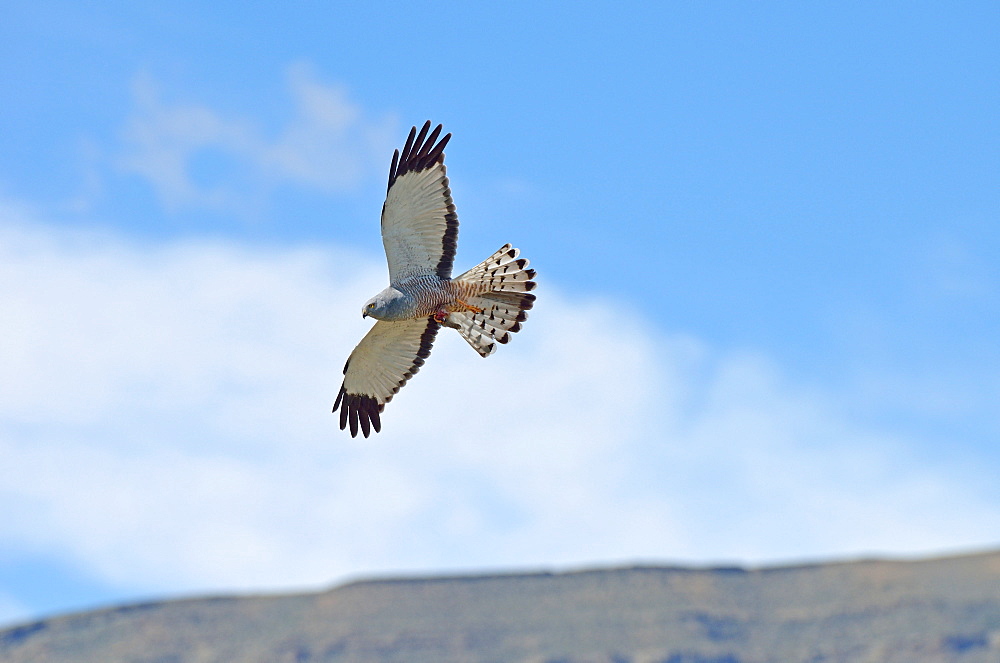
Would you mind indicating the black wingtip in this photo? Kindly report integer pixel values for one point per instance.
(437, 154)
(419, 142)
(359, 412)
(353, 417)
(409, 143)
(419, 152)
(343, 414)
(392, 169)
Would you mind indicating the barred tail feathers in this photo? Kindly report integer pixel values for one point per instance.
(473, 333)
(501, 287)
(502, 272)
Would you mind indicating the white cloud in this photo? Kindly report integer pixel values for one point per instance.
(194, 156)
(165, 424)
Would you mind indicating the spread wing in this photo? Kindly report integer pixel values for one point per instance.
(419, 223)
(389, 355)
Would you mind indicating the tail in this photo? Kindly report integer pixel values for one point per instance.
(501, 285)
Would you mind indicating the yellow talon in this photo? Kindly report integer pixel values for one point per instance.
(467, 307)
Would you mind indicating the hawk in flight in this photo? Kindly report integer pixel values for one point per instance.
(420, 233)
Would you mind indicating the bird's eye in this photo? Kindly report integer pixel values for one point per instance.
(372, 305)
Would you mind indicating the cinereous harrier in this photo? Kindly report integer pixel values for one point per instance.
(420, 231)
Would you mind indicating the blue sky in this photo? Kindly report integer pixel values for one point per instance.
(766, 236)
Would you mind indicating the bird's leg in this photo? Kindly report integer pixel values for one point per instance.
(442, 313)
(468, 307)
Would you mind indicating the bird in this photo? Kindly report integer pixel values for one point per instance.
(485, 305)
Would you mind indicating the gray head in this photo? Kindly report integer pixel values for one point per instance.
(390, 304)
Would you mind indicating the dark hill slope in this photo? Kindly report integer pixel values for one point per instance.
(876, 611)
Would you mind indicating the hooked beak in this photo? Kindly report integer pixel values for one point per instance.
(364, 314)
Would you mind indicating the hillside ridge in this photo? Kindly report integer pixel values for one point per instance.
(929, 610)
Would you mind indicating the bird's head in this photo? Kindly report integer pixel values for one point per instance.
(371, 308)
(390, 304)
